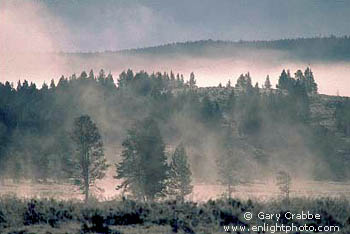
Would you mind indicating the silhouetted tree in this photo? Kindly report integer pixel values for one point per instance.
(267, 83)
(91, 75)
(52, 84)
(125, 78)
(192, 81)
(143, 168)
(244, 82)
(311, 86)
(285, 81)
(89, 159)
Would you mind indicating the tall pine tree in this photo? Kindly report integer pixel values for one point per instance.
(143, 168)
(90, 161)
(179, 184)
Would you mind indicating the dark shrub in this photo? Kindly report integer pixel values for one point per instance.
(96, 225)
(33, 215)
(2, 219)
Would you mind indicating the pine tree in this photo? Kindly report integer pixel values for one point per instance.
(62, 83)
(83, 75)
(125, 78)
(229, 163)
(182, 80)
(89, 161)
(44, 87)
(310, 83)
(52, 84)
(19, 86)
(256, 86)
(91, 75)
(285, 81)
(192, 81)
(179, 183)
(109, 82)
(172, 76)
(284, 181)
(244, 82)
(101, 76)
(143, 168)
(267, 84)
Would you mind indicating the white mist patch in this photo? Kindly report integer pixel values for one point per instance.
(259, 190)
(26, 38)
(332, 77)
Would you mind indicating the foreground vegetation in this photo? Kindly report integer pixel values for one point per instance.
(127, 216)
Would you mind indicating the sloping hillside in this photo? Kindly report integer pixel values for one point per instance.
(318, 48)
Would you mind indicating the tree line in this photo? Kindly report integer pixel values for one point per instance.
(333, 48)
(42, 130)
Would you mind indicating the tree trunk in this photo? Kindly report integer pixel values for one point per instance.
(86, 184)
(229, 190)
(182, 196)
(85, 166)
(86, 181)
(86, 192)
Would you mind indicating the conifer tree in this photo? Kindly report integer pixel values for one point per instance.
(192, 81)
(101, 76)
(179, 183)
(256, 86)
(228, 163)
(267, 84)
(44, 87)
(52, 84)
(244, 82)
(285, 81)
(143, 168)
(311, 86)
(91, 75)
(89, 161)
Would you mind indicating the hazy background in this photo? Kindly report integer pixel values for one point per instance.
(35, 33)
(30, 29)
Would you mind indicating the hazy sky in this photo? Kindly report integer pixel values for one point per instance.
(91, 25)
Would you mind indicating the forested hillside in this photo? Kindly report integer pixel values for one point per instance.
(314, 49)
(233, 128)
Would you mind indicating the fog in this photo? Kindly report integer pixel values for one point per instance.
(32, 37)
(30, 46)
(332, 77)
(25, 42)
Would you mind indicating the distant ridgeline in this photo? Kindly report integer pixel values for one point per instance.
(318, 48)
(288, 125)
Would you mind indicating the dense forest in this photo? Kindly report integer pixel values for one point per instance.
(316, 49)
(230, 131)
